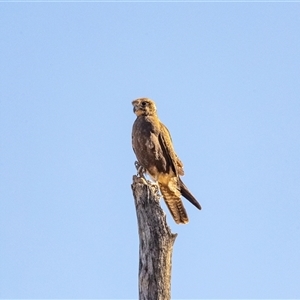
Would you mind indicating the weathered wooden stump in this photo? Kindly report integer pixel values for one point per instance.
(156, 242)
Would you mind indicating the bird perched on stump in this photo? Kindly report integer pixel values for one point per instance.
(152, 144)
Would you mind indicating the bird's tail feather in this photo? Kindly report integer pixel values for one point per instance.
(174, 205)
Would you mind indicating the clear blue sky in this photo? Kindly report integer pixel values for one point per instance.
(226, 81)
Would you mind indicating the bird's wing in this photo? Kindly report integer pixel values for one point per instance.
(187, 194)
(177, 166)
(172, 160)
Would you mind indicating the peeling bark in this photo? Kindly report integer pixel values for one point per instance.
(156, 242)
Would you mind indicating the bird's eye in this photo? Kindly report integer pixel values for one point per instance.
(144, 103)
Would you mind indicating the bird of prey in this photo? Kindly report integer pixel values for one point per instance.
(153, 147)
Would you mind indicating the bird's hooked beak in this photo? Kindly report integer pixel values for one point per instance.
(137, 109)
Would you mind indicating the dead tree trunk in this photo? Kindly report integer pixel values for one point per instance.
(156, 243)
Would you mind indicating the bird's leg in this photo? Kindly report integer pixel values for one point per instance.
(140, 170)
(136, 164)
(154, 185)
(155, 188)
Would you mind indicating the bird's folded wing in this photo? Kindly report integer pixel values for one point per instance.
(165, 142)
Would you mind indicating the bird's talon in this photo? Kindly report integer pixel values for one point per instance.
(136, 164)
(140, 170)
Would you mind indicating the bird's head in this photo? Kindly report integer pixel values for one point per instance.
(144, 107)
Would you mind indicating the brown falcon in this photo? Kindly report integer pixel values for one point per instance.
(152, 144)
